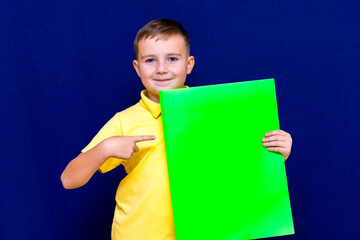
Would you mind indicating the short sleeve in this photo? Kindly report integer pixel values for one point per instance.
(111, 128)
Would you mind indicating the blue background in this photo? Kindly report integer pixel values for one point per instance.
(66, 68)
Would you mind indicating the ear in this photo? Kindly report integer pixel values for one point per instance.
(190, 64)
(136, 66)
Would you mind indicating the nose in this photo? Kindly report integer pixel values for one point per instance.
(161, 68)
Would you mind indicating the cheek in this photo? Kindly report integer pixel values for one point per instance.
(146, 72)
(180, 70)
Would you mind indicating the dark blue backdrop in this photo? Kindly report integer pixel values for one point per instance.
(65, 69)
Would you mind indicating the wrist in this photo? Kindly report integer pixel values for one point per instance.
(105, 149)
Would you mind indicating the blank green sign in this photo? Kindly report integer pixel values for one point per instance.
(224, 184)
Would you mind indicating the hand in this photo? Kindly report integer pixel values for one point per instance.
(278, 141)
(123, 147)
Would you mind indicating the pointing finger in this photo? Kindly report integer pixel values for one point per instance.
(143, 138)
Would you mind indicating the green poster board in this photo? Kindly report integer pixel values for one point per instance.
(224, 184)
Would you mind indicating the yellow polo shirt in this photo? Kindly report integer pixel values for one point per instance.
(143, 205)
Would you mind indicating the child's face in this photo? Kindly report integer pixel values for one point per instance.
(163, 64)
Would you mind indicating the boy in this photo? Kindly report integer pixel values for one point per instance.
(134, 138)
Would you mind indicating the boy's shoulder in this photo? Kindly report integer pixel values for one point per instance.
(128, 112)
(145, 109)
(139, 110)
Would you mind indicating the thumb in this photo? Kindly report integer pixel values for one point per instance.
(136, 148)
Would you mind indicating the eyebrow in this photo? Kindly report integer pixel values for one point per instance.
(152, 55)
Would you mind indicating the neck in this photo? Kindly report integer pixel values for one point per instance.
(152, 97)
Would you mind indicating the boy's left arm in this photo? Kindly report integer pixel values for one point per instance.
(278, 141)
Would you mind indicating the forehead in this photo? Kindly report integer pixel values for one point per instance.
(161, 43)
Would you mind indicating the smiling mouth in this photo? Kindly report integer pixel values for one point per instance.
(162, 80)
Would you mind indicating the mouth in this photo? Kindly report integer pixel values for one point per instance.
(162, 80)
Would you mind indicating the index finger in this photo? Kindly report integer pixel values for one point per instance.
(143, 138)
(279, 132)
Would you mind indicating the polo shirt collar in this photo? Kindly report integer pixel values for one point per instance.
(153, 107)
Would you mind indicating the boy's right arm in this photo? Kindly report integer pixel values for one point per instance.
(79, 171)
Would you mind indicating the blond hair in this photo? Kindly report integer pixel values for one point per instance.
(163, 28)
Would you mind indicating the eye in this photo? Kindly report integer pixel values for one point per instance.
(150, 60)
(173, 59)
